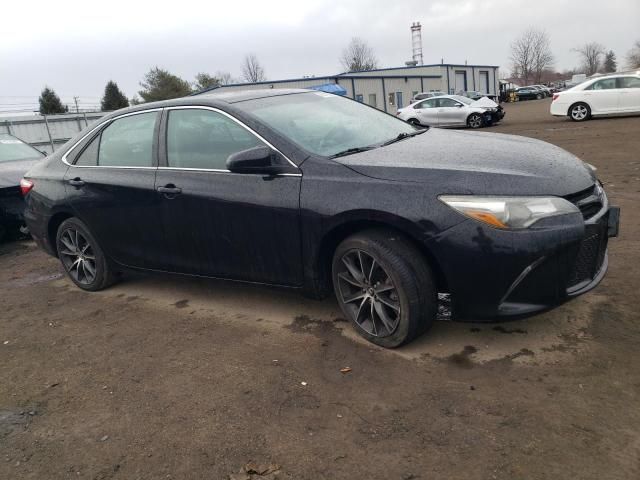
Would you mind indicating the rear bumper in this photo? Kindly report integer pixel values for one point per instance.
(11, 208)
(559, 109)
(494, 273)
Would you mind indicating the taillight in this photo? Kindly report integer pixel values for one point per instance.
(555, 95)
(25, 186)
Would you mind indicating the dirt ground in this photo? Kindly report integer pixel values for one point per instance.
(174, 378)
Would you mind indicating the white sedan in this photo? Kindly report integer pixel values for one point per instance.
(448, 111)
(608, 95)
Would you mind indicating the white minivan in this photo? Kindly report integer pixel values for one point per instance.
(606, 95)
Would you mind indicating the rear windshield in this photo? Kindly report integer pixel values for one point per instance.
(14, 149)
(325, 124)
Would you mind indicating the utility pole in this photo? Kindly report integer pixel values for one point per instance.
(75, 99)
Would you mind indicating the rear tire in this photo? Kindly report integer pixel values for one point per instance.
(82, 258)
(475, 120)
(539, 96)
(414, 122)
(384, 287)
(579, 112)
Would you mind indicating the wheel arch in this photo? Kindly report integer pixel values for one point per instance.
(52, 228)
(357, 222)
(577, 102)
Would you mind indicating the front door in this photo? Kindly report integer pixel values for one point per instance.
(603, 96)
(218, 223)
(110, 187)
(450, 112)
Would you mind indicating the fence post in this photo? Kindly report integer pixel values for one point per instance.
(79, 124)
(86, 124)
(46, 122)
(7, 124)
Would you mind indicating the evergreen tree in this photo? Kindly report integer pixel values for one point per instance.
(610, 62)
(159, 84)
(50, 103)
(113, 98)
(204, 81)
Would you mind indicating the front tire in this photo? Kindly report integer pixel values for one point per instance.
(579, 112)
(414, 122)
(475, 120)
(82, 258)
(384, 287)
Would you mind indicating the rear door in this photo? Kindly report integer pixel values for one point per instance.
(110, 187)
(629, 94)
(603, 96)
(218, 223)
(427, 112)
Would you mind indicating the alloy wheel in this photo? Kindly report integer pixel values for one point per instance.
(579, 112)
(475, 121)
(77, 256)
(368, 294)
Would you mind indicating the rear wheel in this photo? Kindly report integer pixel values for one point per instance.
(474, 120)
(384, 287)
(81, 256)
(579, 112)
(414, 121)
(539, 96)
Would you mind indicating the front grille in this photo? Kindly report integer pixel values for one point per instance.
(590, 256)
(589, 201)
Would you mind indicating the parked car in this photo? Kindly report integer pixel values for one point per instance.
(423, 95)
(16, 157)
(529, 93)
(546, 90)
(495, 111)
(314, 191)
(445, 111)
(606, 95)
(473, 95)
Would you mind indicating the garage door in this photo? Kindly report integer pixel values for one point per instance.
(484, 82)
(461, 81)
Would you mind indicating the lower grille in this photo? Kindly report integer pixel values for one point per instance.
(589, 201)
(590, 256)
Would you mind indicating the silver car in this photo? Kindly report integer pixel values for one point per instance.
(448, 111)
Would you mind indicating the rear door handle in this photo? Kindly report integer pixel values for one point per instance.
(76, 182)
(170, 190)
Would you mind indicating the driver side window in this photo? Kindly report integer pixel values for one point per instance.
(426, 104)
(447, 102)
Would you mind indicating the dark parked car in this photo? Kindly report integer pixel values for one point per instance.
(529, 93)
(313, 191)
(16, 157)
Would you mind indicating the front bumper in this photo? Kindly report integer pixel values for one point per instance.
(494, 273)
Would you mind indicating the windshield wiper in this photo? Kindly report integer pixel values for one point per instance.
(402, 136)
(349, 151)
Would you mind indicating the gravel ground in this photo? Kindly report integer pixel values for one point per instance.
(164, 377)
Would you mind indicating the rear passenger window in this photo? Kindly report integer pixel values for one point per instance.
(89, 156)
(198, 138)
(128, 142)
(629, 82)
(605, 84)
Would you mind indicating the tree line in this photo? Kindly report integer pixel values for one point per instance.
(531, 57)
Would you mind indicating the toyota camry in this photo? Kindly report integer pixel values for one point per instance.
(320, 193)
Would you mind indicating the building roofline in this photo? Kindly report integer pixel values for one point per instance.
(419, 66)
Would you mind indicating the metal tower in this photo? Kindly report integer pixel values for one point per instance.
(416, 42)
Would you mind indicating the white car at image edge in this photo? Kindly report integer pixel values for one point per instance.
(452, 111)
(617, 94)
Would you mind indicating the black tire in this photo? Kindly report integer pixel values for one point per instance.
(579, 112)
(414, 121)
(539, 96)
(475, 120)
(409, 286)
(87, 255)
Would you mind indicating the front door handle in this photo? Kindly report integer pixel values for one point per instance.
(170, 189)
(76, 182)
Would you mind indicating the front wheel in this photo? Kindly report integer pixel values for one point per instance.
(414, 121)
(474, 120)
(579, 112)
(539, 96)
(384, 287)
(81, 256)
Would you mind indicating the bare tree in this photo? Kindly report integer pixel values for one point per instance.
(633, 56)
(252, 71)
(591, 56)
(225, 78)
(531, 55)
(358, 56)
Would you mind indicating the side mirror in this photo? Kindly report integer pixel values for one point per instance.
(259, 160)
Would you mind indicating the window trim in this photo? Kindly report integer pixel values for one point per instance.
(164, 150)
(102, 126)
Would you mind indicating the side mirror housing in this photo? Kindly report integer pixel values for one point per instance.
(258, 160)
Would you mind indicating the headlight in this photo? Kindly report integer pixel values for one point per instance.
(509, 212)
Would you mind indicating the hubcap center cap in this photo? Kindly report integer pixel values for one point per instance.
(371, 291)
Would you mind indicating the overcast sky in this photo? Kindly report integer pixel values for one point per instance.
(76, 46)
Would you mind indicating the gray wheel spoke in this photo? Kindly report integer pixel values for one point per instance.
(353, 270)
(68, 253)
(89, 267)
(373, 319)
(383, 316)
(70, 246)
(354, 297)
(373, 265)
(349, 279)
(362, 304)
(384, 288)
(388, 303)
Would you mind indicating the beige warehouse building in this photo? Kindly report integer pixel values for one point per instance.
(391, 88)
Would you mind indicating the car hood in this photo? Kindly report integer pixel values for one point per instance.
(11, 172)
(460, 162)
(484, 102)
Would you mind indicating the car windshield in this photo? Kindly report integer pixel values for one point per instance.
(13, 149)
(326, 124)
(460, 98)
